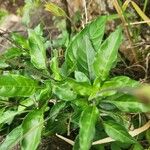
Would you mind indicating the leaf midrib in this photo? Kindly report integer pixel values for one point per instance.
(129, 139)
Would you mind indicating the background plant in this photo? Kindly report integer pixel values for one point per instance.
(40, 96)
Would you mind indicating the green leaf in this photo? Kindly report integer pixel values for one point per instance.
(32, 127)
(117, 82)
(56, 109)
(81, 103)
(45, 92)
(81, 77)
(76, 146)
(20, 40)
(17, 85)
(81, 88)
(107, 54)
(137, 146)
(87, 127)
(12, 53)
(64, 92)
(85, 57)
(54, 67)
(11, 139)
(118, 132)
(128, 103)
(120, 81)
(37, 49)
(25, 103)
(81, 51)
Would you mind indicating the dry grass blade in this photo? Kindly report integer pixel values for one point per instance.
(125, 5)
(120, 13)
(66, 139)
(138, 22)
(54, 9)
(140, 12)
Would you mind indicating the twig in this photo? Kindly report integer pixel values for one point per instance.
(65, 139)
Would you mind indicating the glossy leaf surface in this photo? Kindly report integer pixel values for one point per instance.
(115, 84)
(32, 128)
(81, 77)
(118, 132)
(81, 51)
(128, 103)
(12, 53)
(107, 54)
(37, 49)
(87, 127)
(81, 88)
(11, 139)
(64, 92)
(17, 85)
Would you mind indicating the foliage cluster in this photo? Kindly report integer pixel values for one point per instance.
(39, 96)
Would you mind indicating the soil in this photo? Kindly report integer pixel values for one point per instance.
(54, 143)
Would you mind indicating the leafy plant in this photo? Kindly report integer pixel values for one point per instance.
(41, 95)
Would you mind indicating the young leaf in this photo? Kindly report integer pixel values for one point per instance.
(37, 49)
(81, 103)
(107, 54)
(64, 92)
(54, 9)
(87, 127)
(118, 132)
(12, 139)
(81, 88)
(128, 103)
(17, 85)
(54, 65)
(81, 77)
(81, 51)
(32, 128)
